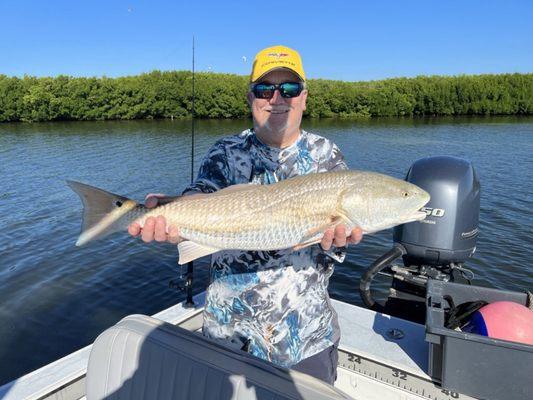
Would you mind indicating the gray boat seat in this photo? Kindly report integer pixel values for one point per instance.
(145, 358)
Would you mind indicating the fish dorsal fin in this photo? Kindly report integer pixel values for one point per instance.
(235, 188)
(230, 189)
(190, 251)
(194, 196)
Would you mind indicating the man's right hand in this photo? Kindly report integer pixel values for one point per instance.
(155, 228)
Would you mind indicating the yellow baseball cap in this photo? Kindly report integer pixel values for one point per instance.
(276, 57)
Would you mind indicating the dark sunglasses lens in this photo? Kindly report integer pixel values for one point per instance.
(263, 91)
(290, 89)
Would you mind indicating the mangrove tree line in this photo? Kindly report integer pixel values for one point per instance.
(168, 95)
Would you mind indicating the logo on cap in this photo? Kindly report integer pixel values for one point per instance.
(278, 55)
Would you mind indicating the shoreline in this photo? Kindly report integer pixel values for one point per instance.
(159, 95)
(474, 118)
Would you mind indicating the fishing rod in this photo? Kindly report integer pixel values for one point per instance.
(187, 287)
(190, 266)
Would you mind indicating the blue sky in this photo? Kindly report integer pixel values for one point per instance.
(347, 40)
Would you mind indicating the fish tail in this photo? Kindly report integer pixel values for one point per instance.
(103, 212)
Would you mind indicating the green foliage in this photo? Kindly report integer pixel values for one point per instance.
(168, 95)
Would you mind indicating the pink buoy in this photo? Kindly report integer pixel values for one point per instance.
(504, 320)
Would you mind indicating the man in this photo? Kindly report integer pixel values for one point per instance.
(273, 302)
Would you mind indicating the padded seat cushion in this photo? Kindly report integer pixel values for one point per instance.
(145, 358)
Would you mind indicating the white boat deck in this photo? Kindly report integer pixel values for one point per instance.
(365, 332)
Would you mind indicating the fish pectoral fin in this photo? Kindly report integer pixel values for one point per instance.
(311, 233)
(306, 244)
(343, 218)
(190, 251)
(311, 238)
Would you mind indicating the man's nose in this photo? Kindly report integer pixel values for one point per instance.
(276, 98)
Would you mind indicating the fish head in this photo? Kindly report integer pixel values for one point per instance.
(375, 202)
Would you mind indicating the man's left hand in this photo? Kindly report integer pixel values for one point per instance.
(337, 237)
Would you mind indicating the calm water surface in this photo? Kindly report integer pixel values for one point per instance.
(56, 298)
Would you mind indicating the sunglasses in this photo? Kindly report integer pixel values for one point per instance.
(286, 90)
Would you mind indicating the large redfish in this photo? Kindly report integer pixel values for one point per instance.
(293, 213)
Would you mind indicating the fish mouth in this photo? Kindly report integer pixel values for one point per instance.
(419, 215)
(416, 216)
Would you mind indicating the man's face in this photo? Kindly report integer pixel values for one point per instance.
(278, 115)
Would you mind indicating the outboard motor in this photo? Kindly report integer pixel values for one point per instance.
(435, 247)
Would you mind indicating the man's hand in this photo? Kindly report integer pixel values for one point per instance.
(155, 228)
(338, 237)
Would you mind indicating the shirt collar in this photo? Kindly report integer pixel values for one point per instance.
(275, 153)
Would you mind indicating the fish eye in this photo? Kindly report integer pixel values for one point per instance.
(405, 194)
(118, 203)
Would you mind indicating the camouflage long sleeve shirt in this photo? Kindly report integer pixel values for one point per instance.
(276, 302)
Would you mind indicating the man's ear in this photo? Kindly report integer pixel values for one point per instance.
(304, 99)
(250, 98)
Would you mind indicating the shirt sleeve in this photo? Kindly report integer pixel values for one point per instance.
(336, 160)
(214, 173)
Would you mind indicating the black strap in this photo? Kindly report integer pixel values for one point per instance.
(458, 316)
(529, 303)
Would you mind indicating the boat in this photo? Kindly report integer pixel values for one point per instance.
(386, 359)
(386, 351)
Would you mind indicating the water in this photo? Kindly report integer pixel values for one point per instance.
(56, 298)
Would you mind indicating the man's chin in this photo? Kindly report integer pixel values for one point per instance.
(278, 122)
(275, 128)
